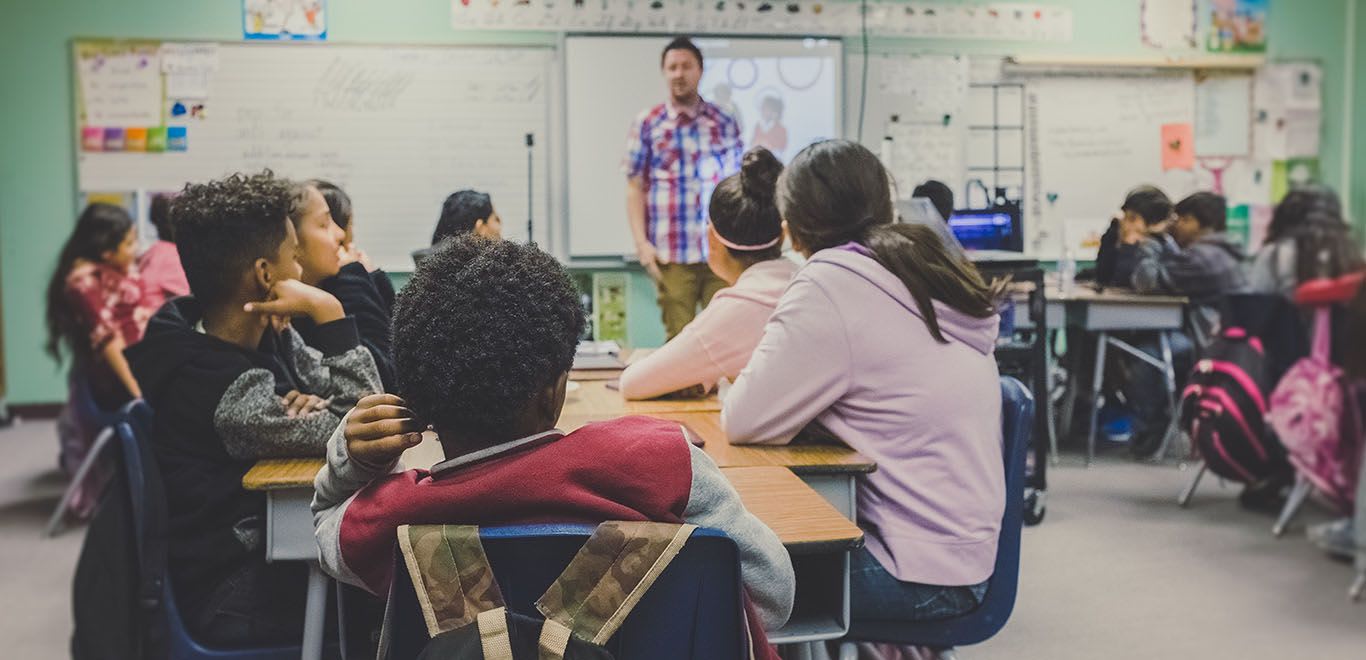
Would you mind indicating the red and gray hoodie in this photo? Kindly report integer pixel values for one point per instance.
(633, 468)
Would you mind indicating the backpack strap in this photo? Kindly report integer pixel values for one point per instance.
(606, 579)
(450, 574)
(494, 639)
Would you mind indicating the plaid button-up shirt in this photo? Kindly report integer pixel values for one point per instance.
(681, 154)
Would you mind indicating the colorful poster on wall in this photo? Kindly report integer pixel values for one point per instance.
(1237, 26)
(1287, 174)
(284, 20)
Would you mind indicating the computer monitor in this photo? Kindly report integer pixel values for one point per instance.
(988, 229)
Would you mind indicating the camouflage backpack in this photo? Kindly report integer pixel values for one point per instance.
(464, 609)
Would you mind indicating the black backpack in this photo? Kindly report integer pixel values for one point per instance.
(1223, 410)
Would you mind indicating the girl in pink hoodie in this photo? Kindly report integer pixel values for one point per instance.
(885, 340)
(746, 250)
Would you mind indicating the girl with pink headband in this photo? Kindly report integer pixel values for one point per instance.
(745, 240)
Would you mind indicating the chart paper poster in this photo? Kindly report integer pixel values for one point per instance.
(1168, 23)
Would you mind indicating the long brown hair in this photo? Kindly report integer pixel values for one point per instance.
(836, 192)
(99, 229)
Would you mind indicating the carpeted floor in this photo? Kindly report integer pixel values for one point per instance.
(1115, 571)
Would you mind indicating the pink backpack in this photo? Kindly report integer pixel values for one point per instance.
(1315, 414)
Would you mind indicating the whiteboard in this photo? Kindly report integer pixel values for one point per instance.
(399, 128)
(610, 80)
(1091, 140)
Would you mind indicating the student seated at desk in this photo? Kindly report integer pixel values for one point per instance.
(746, 250)
(323, 257)
(162, 276)
(232, 384)
(1308, 221)
(339, 206)
(464, 212)
(1197, 260)
(1146, 212)
(486, 367)
(885, 341)
(96, 307)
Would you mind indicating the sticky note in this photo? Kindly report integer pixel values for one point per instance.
(156, 139)
(1178, 147)
(135, 139)
(176, 139)
(92, 138)
(113, 139)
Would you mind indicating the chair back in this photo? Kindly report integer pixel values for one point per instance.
(148, 501)
(692, 612)
(1017, 418)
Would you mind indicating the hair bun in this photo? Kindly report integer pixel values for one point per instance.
(759, 170)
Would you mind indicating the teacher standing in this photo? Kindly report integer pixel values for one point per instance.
(676, 153)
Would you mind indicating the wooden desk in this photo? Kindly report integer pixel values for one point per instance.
(595, 401)
(804, 521)
(819, 541)
(831, 470)
(815, 533)
(1104, 312)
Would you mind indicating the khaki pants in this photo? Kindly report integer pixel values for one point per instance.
(682, 288)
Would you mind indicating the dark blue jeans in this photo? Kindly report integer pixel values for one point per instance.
(876, 594)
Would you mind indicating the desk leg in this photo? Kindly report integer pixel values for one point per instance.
(1050, 365)
(314, 613)
(1168, 372)
(1102, 341)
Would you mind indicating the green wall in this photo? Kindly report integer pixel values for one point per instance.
(1358, 147)
(37, 205)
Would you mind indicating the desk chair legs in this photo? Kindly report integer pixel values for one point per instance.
(1185, 499)
(1292, 505)
(1102, 342)
(55, 524)
(315, 614)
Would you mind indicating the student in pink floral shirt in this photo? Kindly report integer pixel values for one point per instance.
(96, 307)
(162, 276)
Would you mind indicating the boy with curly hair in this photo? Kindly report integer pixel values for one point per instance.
(232, 383)
(484, 337)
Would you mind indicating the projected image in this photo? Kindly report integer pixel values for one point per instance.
(782, 102)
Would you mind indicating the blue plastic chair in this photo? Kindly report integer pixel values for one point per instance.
(693, 612)
(85, 407)
(149, 520)
(1017, 419)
